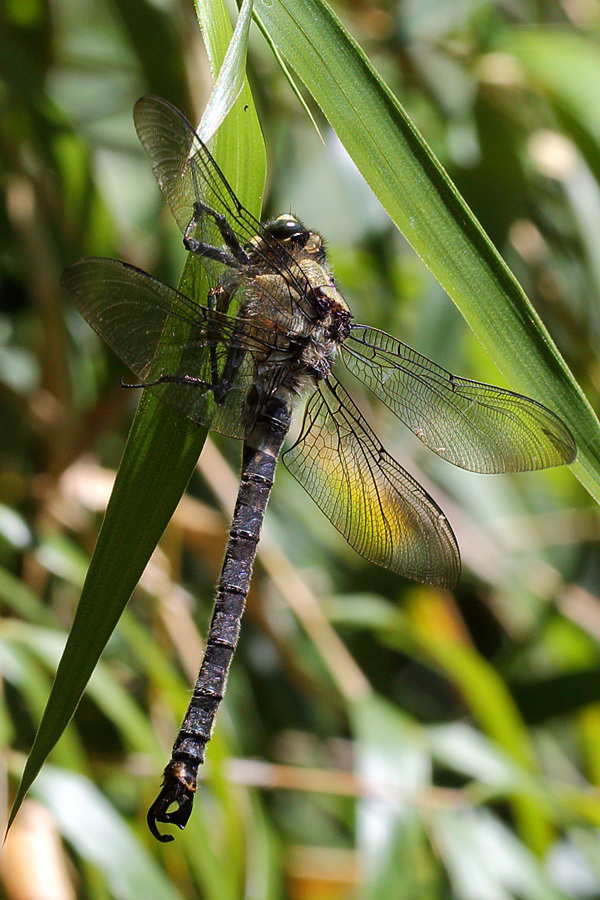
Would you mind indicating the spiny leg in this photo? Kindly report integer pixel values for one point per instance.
(171, 379)
(233, 361)
(220, 386)
(235, 259)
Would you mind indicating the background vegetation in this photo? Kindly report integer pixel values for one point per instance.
(379, 738)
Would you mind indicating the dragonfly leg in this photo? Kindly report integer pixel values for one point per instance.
(207, 252)
(218, 298)
(227, 232)
(173, 379)
(220, 386)
(200, 249)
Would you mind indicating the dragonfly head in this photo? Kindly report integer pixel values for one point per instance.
(284, 227)
(290, 232)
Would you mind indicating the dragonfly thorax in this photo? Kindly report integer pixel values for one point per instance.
(297, 298)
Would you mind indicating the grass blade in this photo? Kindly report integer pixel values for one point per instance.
(422, 201)
(157, 463)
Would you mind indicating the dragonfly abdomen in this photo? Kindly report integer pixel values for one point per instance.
(260, 454)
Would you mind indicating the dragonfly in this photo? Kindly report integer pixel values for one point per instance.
(270, 330)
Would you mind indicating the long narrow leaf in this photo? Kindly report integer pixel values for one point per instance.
(418, 195)
(157, 463)
(230, 80)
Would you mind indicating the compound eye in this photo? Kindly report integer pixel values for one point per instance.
(284, 227)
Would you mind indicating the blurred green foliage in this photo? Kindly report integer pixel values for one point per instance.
(379, 738)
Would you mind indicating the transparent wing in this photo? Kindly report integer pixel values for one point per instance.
(195, 359)
(185, 169)
(383, 513)
(473, 425)
(187, 174)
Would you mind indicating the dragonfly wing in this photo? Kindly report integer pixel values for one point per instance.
(383, 513)
(204, 358)
(473, 425)
(185, 169)
(188, 175)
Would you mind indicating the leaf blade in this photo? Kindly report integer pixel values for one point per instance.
(420, 198)
(158, 460)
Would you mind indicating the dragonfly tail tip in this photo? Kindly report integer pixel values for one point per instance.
(176, 792)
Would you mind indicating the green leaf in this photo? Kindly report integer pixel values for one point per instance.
(22, 601)
(419, 197)
(159, 458)
(230, 80)
(22, 670)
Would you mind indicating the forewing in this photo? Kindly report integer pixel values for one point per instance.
(188, 174)
(159, 332)
(383, 513)
(473, 425)
(184, 167)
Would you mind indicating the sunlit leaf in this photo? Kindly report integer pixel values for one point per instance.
(157, 463)
(426, 207)
(230, 79)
